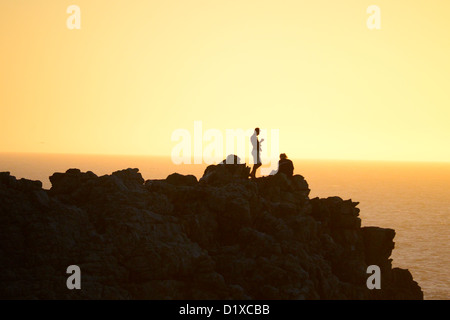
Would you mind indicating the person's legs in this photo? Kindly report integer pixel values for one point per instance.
(255, 167)
(255, 162)
(252, 174)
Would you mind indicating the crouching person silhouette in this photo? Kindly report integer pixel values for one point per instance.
(285, 166)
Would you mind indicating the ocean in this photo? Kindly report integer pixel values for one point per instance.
(412, 198)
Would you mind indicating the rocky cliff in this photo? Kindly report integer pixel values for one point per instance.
(223, 237)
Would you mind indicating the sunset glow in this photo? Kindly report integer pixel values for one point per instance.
(138, 70)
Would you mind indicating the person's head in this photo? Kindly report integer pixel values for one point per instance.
(257, 131)
(283, 156)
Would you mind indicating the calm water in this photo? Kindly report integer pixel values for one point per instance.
(412, 198)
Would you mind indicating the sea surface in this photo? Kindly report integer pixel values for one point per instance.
(412, 198)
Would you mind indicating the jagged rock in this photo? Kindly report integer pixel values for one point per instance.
(378, 243)
(231, 159)
(403, 286)
(181, 180)
(22, 184)
(224, 237)
(65, 183)
(224, 173)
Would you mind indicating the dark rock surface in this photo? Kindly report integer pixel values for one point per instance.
(223, 237)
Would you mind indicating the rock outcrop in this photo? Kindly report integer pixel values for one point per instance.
(223, 237)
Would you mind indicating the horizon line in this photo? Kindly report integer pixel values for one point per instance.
(168, 156)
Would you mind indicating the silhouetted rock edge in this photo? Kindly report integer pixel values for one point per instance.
(222, 237)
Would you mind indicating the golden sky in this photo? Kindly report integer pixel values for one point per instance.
(138, 70)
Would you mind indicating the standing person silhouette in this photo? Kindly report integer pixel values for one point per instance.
(255, 152)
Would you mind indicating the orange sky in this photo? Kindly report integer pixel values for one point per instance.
(138, 70)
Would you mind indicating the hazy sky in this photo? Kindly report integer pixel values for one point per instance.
(138, 70)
